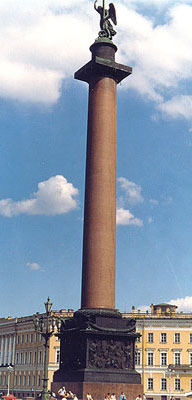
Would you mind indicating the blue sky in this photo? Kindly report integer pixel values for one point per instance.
(43, 113)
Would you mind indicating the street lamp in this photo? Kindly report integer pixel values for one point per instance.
(45, 325)
(170, 372)
(9, 369)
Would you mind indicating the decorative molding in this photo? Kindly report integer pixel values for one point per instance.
(148, 349)
(161, 349)
(176, 350)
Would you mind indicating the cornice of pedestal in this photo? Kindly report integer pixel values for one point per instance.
(103, 64)
(102, 68)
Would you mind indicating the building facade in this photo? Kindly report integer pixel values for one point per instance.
(22, 355)
(164, 351)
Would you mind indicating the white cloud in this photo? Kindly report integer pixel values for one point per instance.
(132, 196)
(159, 52)
(40, 47)
(168, 200)
(178, 106)
(150, 220)
(54, 196)
(124, 217)
(43, 43)
(132, 191)
(29, 83)
(156, 3)
(33, 266)
(184, 304)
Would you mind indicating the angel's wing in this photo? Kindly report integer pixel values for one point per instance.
(112, 13)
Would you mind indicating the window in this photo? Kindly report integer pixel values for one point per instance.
(21, 358)
(22, 338)
(19, 380)
(150, 384)
(57, 356)
(4, 380)
(150, 358)
(177, 358)
(150, 337)
(163, 359)
(177, 337)
(0, 379)
(18, 339)
(8, 354)
(191, 384)
(190, 359)
(35, 357)
(31, 337)
(38, 380)
(24, 380)
(15, 380)
(17, 358)
(177, 384)
(27, 338)
(163, 338)
(163, 384)
(138, 358)
(33, 380)
(138, 339)
(29, 380)
(40, 357)
(25, 360)
(190, 338)
(30, 357)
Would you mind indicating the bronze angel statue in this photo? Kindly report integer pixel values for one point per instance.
(105, 15)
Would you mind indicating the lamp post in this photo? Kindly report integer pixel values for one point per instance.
(170, 372)
(45, 325)
(9, 369)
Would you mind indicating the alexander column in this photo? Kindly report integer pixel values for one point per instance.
(97, 344)
(102, 73)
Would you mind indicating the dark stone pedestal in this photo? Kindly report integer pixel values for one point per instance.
(99, 389)
(98, 354)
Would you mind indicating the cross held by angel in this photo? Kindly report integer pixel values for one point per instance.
(105, 15)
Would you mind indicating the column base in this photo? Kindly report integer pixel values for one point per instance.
(98, 390)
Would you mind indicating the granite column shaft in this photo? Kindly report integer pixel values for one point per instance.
(98, 276)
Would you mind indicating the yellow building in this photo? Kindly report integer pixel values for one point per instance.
(164, 351)
(22, 355)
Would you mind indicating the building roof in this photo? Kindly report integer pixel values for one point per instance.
(164, 304)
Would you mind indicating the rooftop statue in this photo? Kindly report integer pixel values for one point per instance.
(105, 15)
